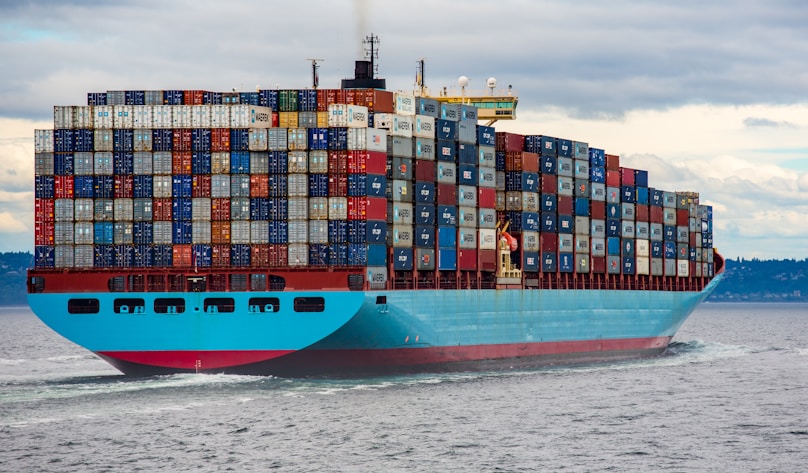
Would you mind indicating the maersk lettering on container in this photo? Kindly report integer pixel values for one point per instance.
(424, 127)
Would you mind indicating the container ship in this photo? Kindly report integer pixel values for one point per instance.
(350, 231)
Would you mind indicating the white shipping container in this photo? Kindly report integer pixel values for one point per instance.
(63, 255)
(582, 244)
(83, 116)
(487, 218)
(84, 233)
(102, 140)
(317, 161)
(404, 103)
(337, 208)
(162, 233)
(566, 243)
(467, 196)
(357, 116)
(220, 162)
(298, 231)
(162, 163)
(298, 208)
(401, 236)
(598, 247)
(424, 127)
(142, 162)
(122, 233)
(358, 138)
(240, 208)
(63, 210)
(565, 186)
(142, 140)
(298, 254)
(467, 217)
(297, 185)
(162, 116)
(63, 233)
(318, 231)
(181, 116)
(382, 121)
(447, 172)
(278, 139)
(402, 126)
(240, 232)
(338, 115)
(220, 116)
(83, 210)
(200, 116)
(257, 139)
(43, 165)
(142, 210)
(142, 117)
(467, 238)
(161, 186)
(318, 209)
(43, 141)
(103, 210)
(401, 213)
(220, 186)
(250, 116)
(84, 256)
(259, 232)
(63, 117)
(530, 201)
(124, 116)
(377, 277)
(582, 225)
(103, 116)
(487, 239)
(103, 165)
(123, 210)
(200, 208)
(376, 139)
(200, 232)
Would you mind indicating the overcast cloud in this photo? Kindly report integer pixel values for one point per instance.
(708, 96)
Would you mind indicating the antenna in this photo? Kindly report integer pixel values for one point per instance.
(372, 53)
(315, 78)
(419, 76)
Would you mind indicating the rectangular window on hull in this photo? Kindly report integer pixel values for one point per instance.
(265, 304)
(309, 304)
(169, 305)
(127, 306)
(82, 306)
(220, 304)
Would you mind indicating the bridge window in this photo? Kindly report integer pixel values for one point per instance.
(265, 304)
(127, 306)
(309, 304)
(169, 305)
(82, 306)
(215, 305)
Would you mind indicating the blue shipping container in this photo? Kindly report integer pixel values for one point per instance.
(530, 261)
(181, 232)
(239, 139)
(123, 163)
(83, 187)
(337, 138)
(123, 139)
(486, 136)
(424, 214)
(182, 185)
(337, 231)
(376, 185)
(317, 138)
(142, 233)
(613, 246)
(278, 162)
(447, 215)
(318, 185)
(83, 140)
(424, 236)
(357, 254)
(162, 140)
(377, 255)
(337, 254)
(103, 256)
(467, 175)
(103, 233)
(63, 164)
(549, 262)
(318, 254)
(163, 256)
(278, 232)
(143, 256)
(446, 151)
(566, 224)
(63, 140)
(447, 259)
(103, 187)
(376, 231)
(566, 262)
(549, 223)
(181, 208)
(200, 139)
(447, 237)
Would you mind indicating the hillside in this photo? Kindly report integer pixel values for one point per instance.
(745, 280)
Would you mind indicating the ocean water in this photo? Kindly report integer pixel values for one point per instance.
(730, 395)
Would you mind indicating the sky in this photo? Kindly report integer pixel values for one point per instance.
(707, 96)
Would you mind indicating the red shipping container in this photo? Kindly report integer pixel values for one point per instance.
(259, 256)
(181, 140)
(340, 96)
(161, 210)
(486, 198)
(278, 256)
(276, 120)
(200, 185)
(598, 209)
(682, 217)
(337, 185)
(338, 162)
(642, 213)
(63, 187)
(613, 162)
(510, 141)
(220, 209)
(549, 242)
(376, 208)
(549, 184)
(220, 232)
(626, 176)
(350, 96)
(382, 101)
(220, 256)
(530, 162)
(692, 242)
(656, 214)
(565, 204)
(325, 97)
(376, 162)
(182, 256)
(44, 210)
(447, 194)
(513, 160)
(598, 264)
(193, 97)
(259, 185)
(613, 178)
(466, 259)
(181, 162)
(424, 170)
(358, 162)
(220, 139)
(124, 187)
(44, 232)
(487, 260)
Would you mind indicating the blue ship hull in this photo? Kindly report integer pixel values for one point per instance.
(375, 332)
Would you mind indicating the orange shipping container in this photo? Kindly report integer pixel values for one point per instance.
(181, 139)
(220, 256)
(181, 162)
(220, 139)
(200, 185)
(220, 232)
(259, 185)
(182, 255)
(220, 210)
(161, 210)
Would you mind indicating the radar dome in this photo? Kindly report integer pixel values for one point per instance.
(463, 81)
(492, 82)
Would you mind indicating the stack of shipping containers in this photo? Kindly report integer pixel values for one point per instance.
(407, 187)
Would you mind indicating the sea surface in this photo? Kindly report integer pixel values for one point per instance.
(730, 395)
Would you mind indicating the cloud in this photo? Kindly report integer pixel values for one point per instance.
(752, 122)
